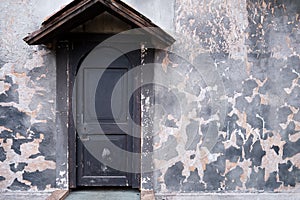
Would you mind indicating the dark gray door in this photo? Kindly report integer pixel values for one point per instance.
(103, 108)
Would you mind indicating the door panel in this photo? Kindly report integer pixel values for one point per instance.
(99, 108)
(105, 152)
(93, 172)
(106, 87)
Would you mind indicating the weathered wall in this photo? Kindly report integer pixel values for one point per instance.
(160, 12)
(228, 114)
(27, 100)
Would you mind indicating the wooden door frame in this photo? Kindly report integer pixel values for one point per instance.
(66, 74)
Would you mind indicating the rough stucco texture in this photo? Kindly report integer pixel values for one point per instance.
(228, 118)
(27, 100)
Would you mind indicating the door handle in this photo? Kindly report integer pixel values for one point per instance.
(84, 138)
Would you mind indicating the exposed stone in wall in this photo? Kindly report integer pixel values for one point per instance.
(251, 49)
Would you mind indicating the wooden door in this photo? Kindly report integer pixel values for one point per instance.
(105, 110)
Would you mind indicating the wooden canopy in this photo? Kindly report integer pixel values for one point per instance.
(80, 11)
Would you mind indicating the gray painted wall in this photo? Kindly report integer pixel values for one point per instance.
(160, 12)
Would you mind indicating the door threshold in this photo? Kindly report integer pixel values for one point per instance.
(104, 194)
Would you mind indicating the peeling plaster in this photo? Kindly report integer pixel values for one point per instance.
(253, 48)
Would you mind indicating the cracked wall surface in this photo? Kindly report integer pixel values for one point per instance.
(227, 118)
